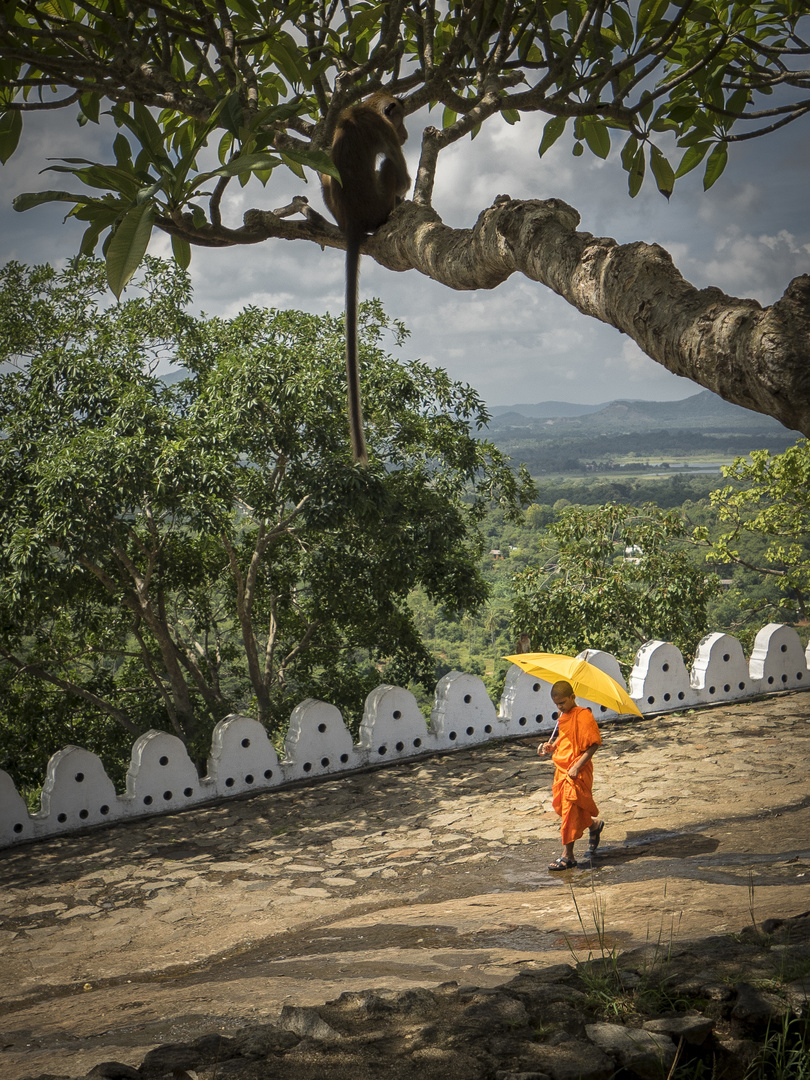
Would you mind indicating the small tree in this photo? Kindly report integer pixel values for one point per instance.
(173, 551)
(766, 514)
(614, 577)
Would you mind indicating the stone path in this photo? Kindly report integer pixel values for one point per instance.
(117, 940)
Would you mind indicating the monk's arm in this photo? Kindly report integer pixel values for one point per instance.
(583, 759)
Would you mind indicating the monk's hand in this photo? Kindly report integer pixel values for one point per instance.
(573, 772)
(545, 748)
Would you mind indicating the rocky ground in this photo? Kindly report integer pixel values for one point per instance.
(223, 928)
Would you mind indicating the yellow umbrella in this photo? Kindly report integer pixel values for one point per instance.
(588, 681)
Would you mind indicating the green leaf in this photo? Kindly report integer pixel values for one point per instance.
(623, 25)
(597, 137)
(313, 159)
(89, 106)
(284, 52)
(181, 249)
(246, 163)
(629, 151)
(365, 20)
(692, 158)
(122, 151)
(662, 171)
(551, 132)
(636, 173)
(650, 12)
(718, 159)
(11, 125)
(29, 199)
(128, 246)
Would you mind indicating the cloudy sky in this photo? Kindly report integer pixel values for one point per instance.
(749, 235)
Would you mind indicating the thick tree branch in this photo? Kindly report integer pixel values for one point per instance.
(753, 356)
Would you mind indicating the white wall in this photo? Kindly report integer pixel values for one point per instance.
(78, 794)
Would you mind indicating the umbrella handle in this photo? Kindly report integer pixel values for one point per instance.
(554, 732)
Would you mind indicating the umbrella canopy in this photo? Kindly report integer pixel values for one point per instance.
(587, 680)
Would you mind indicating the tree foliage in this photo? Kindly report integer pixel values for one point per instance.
(768, 502)
(174, 551)
(617, 576)
(670, 85)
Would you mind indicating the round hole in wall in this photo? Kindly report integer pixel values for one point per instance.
(522, 721)
(167, 795)
(666, 697)
(467, 699)
(539, 718)
(798, 675)
(554, 715)
(163, 761)
(488, 729)
(18, 827)
(741, 685)
(322, 728)
(324, 762)
(681, 695)
(400, 747)
(712, 689)
(344, 758)
(770, 680)
(84, 814)
(188, 792)
(417, 743)
(783, 648)
(268, 774)
(249, 778)
(382, 750)
(650, 700)
(726, 658)
(397, 715)
(307, 766)
(536, 687)
(61, 818)
(726, 688)
(104, 809)
(784, 678)
(452, 736)
(665, 667)
(148, 800)
(79, 777)
(603, 708)
(230, 782)
(246, 743)
(470, 730)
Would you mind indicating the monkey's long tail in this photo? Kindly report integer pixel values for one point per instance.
(352, 359)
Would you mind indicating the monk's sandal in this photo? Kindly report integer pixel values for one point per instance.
(562, 864)
(594, 836)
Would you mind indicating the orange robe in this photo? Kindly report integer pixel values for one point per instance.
(573, 799)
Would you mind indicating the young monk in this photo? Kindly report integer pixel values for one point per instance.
(571, 794)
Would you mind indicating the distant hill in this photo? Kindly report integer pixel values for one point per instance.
(547, 409)
(558, 437)
(701, 412)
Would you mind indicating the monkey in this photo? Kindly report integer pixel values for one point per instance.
(361, 202)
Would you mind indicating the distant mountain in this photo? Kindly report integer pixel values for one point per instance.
(546, 409)
(703, 411)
